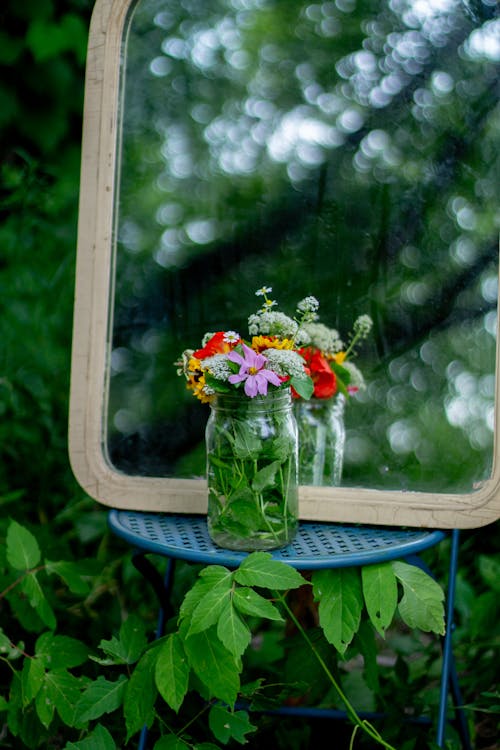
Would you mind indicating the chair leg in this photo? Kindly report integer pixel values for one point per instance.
(449, 678)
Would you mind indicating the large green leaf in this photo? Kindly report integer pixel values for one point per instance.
(100, 697)
(422, 603)
(229, 725)
(172, 671)
(208, 578)
(249, 602)
(60, 691)
(60, 651)
(127, 648)
(340, 604)
(30, 586)
(70, 573)
(98, 739)
(215, 666)
(380, 591)
(140, 694)
(259, 569)
(210, 606)
(233, 632)
(23, 551)
(32, 676)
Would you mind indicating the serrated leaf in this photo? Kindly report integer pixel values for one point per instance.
(70, 573)
(98, 739)
(265, 477)
(259, 569)
(211, 604)
(215, 666)
(100, 697)
(340, 599)
(60, 691)
(233, 632)
(60, 651)
(30, 586)
(208, 577)
(422, 603)
(31, 679)
(249, 602)
(23, 552)
(127, 648)
(229, 725)
(380, 591)
(140, 694)
(172, 671)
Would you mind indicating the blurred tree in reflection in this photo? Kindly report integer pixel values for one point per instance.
(346, 150)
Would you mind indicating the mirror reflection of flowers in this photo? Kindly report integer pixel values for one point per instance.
(270, 359)
(327, 356)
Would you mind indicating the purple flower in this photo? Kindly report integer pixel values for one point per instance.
(252, 371)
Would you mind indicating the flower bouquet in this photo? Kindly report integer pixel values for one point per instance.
(251, 434)
(335, 378)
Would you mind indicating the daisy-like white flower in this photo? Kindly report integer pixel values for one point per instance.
(231, 337)
(252, 372)
(263, 291)
(268, 304)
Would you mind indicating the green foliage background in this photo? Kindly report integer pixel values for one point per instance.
(42, 54)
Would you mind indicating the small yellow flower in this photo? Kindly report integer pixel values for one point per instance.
(259, 343)
(196, 383)
(194, 365)
(339, 357)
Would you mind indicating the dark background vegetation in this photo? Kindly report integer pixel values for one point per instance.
(42, 55)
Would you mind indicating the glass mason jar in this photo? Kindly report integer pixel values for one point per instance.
(321, 440)
(252, 453)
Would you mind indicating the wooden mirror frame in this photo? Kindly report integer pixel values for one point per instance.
(91, 349)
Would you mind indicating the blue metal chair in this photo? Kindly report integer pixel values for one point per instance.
(316, 546)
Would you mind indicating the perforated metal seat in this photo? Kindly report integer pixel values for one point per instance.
(317, 545)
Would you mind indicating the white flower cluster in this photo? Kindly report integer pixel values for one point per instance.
(218, 366)
(320, 336)
(308, 309)
(363, 325)
(285, 362)
(272, 324)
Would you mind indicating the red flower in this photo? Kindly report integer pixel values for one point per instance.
(216, 345)
(325, 382)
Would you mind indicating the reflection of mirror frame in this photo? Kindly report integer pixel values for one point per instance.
(93, 315)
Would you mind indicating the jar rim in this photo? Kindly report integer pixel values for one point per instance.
(273, 398)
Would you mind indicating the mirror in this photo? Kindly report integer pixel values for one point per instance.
(342, 151)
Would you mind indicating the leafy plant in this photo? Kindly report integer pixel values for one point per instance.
(200, 663)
